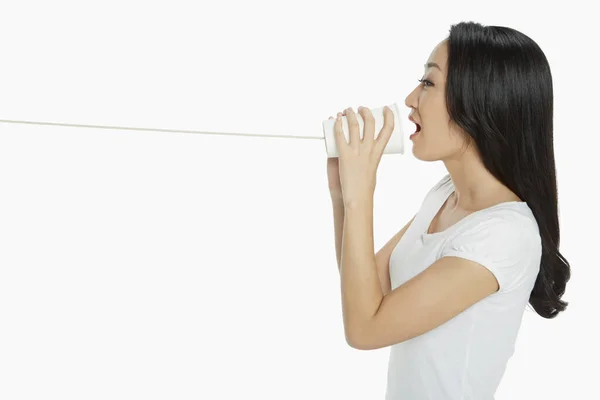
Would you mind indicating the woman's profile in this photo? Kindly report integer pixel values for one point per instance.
(484, 244)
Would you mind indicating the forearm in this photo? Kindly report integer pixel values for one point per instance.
(338, 226)
(361, 289)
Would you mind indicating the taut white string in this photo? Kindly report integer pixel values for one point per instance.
(160, 130)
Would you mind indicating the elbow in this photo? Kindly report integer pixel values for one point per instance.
(359, 345)
(350, 339)
(365, 340)
(354, 345)
(364, 345)
(356, 342)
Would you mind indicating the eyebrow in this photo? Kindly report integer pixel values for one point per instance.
(432, 64)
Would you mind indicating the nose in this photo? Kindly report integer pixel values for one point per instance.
(411, 99)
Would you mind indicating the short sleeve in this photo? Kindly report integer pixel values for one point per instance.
(502, 245)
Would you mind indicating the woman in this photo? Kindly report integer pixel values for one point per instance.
(451, 286)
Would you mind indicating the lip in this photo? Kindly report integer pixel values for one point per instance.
(418, 125)
(413, 120)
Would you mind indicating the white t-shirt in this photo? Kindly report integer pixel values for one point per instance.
(465, 358)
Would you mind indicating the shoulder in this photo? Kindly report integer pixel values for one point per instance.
(511, 222)
(504, 239)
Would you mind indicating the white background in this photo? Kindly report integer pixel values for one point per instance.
(147, 265)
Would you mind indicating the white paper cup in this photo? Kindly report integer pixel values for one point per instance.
(394, 146)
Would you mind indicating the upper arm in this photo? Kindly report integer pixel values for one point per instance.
(434, 296)
(487, 257)
(382, 259)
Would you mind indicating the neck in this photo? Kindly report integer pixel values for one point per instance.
(475, 187)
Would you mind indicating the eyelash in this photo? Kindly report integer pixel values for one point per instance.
(427, 81)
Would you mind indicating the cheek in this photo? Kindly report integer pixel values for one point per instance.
(432, 108)
(436, 141)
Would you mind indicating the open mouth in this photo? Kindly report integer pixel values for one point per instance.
(416, 131)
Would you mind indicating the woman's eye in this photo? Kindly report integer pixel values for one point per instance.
(425, 81)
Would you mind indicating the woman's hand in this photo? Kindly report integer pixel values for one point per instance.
(359, 158)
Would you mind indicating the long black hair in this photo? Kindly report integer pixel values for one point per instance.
(499, 91)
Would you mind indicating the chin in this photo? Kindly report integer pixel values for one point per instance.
(424, 156)
(417, 153)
